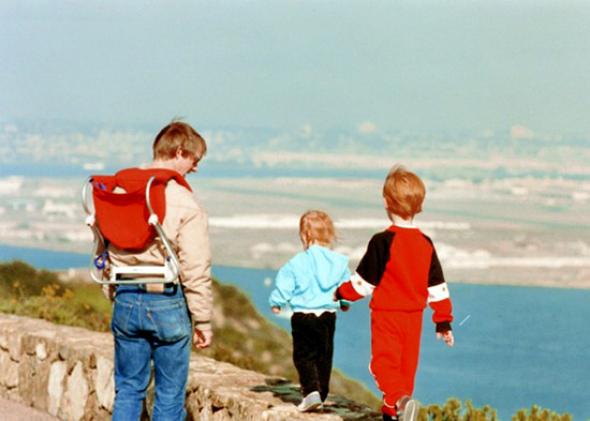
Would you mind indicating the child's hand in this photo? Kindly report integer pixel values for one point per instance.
(276, 310)
(447, 337)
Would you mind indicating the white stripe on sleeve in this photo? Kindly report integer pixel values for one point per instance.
(438, 293)
(361, 286)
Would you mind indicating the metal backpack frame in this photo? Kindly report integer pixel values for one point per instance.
(100, 265)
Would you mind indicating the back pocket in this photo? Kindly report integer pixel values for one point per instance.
(171, 321)
(120, 319)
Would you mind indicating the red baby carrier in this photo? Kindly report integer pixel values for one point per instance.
(129, 208)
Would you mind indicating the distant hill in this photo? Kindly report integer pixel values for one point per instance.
(34, 149)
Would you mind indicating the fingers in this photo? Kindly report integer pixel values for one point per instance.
(197, 338)
(202, 339)
(205, 343)
(447, 337)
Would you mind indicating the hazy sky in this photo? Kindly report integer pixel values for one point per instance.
(402, 65)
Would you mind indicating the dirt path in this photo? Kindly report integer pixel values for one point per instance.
(12, 411)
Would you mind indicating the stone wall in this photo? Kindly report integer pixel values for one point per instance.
(68, 372)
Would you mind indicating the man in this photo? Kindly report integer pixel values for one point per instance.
(151, 322)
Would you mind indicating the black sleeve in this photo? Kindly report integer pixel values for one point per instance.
(435, 274)
(372, 265)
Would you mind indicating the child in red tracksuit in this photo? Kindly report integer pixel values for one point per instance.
(402, 271)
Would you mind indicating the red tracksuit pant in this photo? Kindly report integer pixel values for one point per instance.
(395, 346)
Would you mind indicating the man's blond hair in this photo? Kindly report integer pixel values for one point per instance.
(179, 136)
(404, 192)
(316, 226)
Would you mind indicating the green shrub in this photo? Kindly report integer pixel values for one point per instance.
(453, 410)
(539, 414)
(18, 280)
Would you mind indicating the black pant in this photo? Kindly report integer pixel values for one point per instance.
(313, 348)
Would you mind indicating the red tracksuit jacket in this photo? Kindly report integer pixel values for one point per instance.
(402, 271)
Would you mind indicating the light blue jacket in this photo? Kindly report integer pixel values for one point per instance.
(309, 279)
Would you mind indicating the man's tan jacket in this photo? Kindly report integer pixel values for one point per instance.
(186, 226)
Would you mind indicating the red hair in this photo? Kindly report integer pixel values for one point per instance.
(404, 192)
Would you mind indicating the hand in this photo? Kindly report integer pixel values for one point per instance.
(202, 338)
(276, 310)
(336, 296)
(447, 337)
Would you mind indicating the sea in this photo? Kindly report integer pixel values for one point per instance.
(515, 346)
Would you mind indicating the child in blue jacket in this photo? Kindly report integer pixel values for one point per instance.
(307, 283)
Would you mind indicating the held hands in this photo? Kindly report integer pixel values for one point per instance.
(276, 310)
(336, 296)
(344, 305)
(447, 337)
(202, 338)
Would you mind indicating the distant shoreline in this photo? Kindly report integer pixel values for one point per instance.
(540, 284)
(81, 271)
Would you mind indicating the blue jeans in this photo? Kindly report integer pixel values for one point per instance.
(150, 326)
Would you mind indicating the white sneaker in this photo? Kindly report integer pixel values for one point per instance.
(310, 402)
(410, 411)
